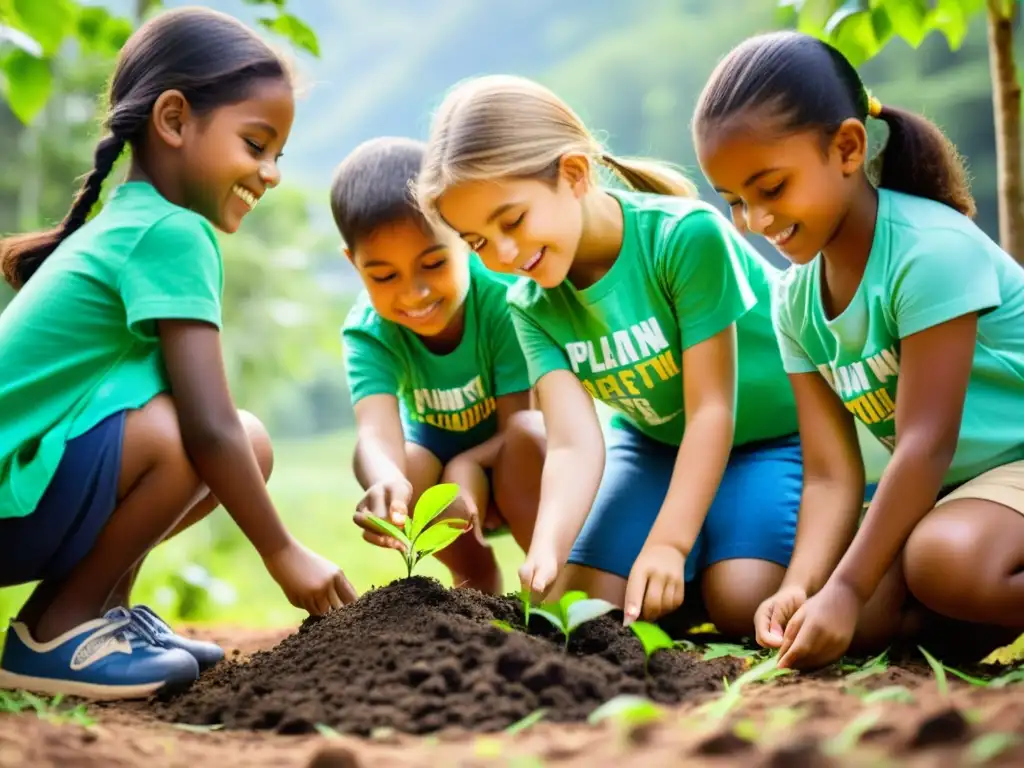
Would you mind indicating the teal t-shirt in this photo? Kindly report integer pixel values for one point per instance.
(79, 342)
(455, 392)
(683, 274)
(928, 264)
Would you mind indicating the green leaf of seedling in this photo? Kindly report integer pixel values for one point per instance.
(626, 710)
(894, 693)
(989, 746)
(504, 626)
(874, 666)
(438, 536)
(431, 503)
(1014, 676)
(850, 736)
(759, 673)
(722, 650)
(652, 637)
(582, 611)
(526, 599)
(527, 722)
(551, 617)
(938, 670)
(977, 681)
(389, 529)
(326, 731)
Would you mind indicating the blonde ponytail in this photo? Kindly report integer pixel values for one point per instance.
(502, 126)
(652, 176)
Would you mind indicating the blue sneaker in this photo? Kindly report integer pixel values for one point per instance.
(207, 654)
(115, 657)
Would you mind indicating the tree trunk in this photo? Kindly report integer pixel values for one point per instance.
(1006, 99)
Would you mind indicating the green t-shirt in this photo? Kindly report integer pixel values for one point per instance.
(79, 342)
(928, 265)
(456, 392)
(683, 274)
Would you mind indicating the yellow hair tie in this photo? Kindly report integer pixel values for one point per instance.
(874, 106)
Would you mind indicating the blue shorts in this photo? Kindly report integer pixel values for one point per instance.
(75, 507)
(752, 516)
(443, 444)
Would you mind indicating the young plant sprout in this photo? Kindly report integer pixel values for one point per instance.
(571, 610)
(418, 537)
(652, 638)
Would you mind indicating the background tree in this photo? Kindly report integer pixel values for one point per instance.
(862, 28)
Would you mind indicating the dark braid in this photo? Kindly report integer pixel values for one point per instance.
(107, 152)
(211, 58)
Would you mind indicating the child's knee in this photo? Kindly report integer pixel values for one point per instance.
(733, 590)
(940, 558)
(524, 434)
(153, 432)
(260, 440)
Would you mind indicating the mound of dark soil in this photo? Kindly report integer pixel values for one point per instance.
(417, 657)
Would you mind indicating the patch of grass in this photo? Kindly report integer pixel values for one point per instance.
(938, 670)
(23, 702)
(848, 738)
(762, 672)
(989, 746)
(211, 575)
(723, 650)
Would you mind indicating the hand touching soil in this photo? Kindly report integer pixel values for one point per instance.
(309, 581)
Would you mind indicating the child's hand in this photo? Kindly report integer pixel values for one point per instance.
(655, 586)
(821, 630)
(308, 580)
(389, 501)
(473, 484)
(540, 570)
(773, 615)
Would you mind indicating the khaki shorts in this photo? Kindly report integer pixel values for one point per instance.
(1002, 485)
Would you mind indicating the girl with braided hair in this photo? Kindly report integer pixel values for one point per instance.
(900, 312)
(117, 428)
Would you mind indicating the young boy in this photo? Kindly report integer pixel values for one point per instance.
(439, 384)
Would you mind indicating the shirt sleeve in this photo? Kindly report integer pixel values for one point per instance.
(175, 272)
(370, 367)
(510, 371)
(794, 357)
(704, 270)
(542, 353)
(931, 286)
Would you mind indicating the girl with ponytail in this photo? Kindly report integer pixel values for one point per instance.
(648, 300)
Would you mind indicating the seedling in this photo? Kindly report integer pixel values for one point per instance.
(571, 610)
(722, 650)
(14, 702)
(989, 746)
(894, 693)
(418, 537)
(938, 670)
(760, 673)
(652, 638)
(847, 739)
(627, 710)
(525, 598)
(527, 722)
(871, 667)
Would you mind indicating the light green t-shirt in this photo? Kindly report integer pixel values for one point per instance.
(79, 342)
(455, 392)
(683, 274)
(928, 265)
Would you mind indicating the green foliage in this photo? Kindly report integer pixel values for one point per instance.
(627, 710)
(571, 610)
(419, 538)
(763, 672)
(652, 638)
(33, 32)
(861, 28)
(16, 702)
(938, 670)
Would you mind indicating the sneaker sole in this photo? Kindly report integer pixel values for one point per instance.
(12, 681)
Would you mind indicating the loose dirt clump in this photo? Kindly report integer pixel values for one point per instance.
(417, 657)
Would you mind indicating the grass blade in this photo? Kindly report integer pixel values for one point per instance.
(938, 670)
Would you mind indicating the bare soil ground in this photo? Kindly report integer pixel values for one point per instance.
(880, 715)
